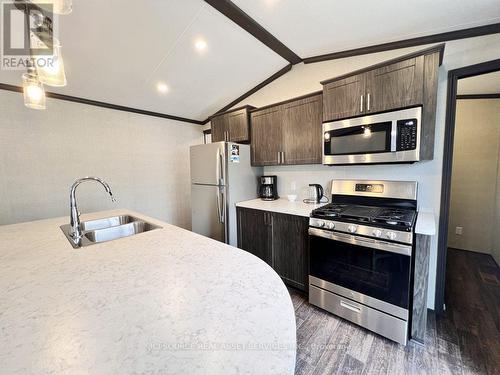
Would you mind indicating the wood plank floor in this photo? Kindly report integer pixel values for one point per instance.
(465, 340)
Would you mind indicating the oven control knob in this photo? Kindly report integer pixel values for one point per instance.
(331, 225)
(391, 235)
(377, 232)
(352, 228)
(321, 223)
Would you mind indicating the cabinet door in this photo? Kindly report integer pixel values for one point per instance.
(266, 133)
(396, 85)
(254, 233)
(290, 248)
(344, 98)
(302, 131)
(238, 126)
(219, 128)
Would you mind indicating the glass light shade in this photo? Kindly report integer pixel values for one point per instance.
(58, 6)
(34, 94)
(50, 69)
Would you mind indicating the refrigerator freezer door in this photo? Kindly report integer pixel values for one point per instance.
(208, 163)
(209, 211)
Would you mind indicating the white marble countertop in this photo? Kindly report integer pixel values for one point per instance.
(166, 301)
(281, 205)
(426, 224)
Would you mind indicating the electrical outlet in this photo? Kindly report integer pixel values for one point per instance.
(459, 230)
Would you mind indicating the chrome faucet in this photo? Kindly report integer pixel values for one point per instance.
(76, 230)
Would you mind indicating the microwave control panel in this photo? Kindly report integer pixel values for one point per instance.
(406, 135)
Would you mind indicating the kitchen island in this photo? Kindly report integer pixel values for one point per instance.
(165, 301)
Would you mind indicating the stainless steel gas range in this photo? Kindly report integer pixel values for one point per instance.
(361, 254)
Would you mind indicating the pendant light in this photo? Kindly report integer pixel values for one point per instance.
(34, 93)
(50, 69)
(58, 6)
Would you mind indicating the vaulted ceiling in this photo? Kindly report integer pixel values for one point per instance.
(117, 51)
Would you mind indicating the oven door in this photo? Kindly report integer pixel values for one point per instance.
(373, 272)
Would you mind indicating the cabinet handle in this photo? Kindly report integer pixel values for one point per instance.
(283, 157)
(368, 103)
(361, 104)
(279, 157)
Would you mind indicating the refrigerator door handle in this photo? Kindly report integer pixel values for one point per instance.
(221, 168)
(223, 209)
(219, 212)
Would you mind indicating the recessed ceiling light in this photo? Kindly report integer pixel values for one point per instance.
(200, 44)
(162, 87)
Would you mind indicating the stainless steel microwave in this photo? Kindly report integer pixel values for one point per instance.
(391, 137)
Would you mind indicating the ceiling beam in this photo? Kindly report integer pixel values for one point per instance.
(405, 43)
(4, 86)
(247, 23)
(267, 81)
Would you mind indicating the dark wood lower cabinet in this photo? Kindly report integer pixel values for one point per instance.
(279, 239)
(254, 233)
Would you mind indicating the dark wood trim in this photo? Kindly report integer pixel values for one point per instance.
(267, 81)
(413, 42)
(249, 107)
(437, 48)
(320, 92)
(247, 23)
(479, 96)
(449, 132)
(4, 86)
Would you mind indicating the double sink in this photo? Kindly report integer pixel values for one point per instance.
(108, 229)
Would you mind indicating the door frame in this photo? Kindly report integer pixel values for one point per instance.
(449, 132)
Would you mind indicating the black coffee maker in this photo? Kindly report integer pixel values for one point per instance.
(268, 188)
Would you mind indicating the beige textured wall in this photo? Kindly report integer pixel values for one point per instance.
(145, 160)
(474, 176)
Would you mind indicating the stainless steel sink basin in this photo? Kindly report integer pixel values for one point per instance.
(107, 222)
(113, 233)
(108, 229)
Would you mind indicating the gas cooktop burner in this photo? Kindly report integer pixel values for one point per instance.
(374, 215)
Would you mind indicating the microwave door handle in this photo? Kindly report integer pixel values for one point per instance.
(394, 135)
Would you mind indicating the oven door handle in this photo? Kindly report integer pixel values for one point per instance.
(367, 242)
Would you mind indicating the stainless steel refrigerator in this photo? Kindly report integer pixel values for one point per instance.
(221, 176)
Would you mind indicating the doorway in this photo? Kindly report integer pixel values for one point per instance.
(468, 277)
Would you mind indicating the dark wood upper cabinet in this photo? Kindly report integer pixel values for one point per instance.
(302, 131)
(254, 233)
(219, 128)
(232, 126)
(288, 133)
(267, 134)
(396, 85)
(344, 97)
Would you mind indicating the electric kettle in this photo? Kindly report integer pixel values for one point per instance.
(316, 193)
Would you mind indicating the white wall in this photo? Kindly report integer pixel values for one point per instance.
(474, 175)
(144, 159)
(303, 79)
